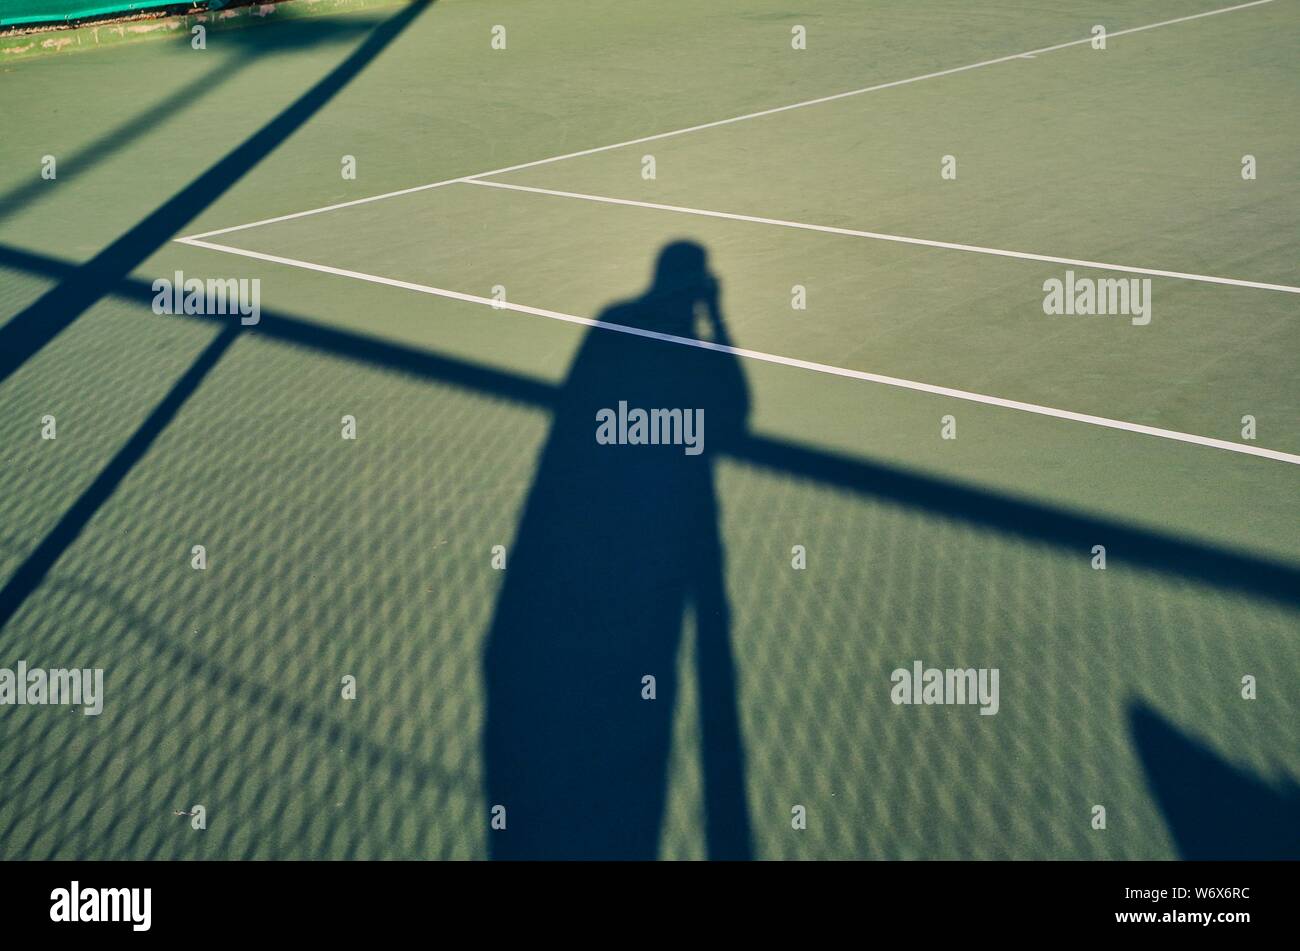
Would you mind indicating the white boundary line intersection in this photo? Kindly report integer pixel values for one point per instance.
(201, 241)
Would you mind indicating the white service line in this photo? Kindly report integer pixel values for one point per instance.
(764, 357)
(1028, 54)
(900, 239)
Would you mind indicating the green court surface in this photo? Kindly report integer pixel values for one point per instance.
(482, 291)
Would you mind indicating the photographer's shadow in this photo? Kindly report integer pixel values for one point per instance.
(617, 541)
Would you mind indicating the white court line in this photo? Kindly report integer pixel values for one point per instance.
(721, 122)
(764, 357)
(900, 239)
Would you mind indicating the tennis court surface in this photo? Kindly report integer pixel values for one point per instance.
(431, 592)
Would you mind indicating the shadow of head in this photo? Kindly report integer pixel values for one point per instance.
(1213, 809)
(682, 268)
(681, 287)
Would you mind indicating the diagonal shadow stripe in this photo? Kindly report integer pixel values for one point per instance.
(1031, 521)
(344, 344)
(1223, 568)
(32, 572)
(112, 141)
(41, 322)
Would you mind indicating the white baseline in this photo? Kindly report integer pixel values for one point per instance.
(764, 357)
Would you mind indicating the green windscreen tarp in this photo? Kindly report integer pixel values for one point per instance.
(15, 12)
